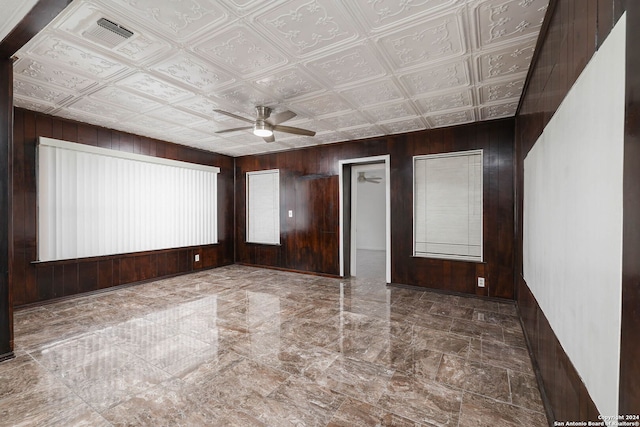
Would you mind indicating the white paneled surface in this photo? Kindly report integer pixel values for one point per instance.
(572, 248)
(263, 207)
(448, 205)
(16, 9)
(387, 66)
(94, 202)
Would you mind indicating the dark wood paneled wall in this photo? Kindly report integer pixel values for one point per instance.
(36, 19)
(309, 186)
(6, 134)
(43, 281)
(630, 344)
(574, 30)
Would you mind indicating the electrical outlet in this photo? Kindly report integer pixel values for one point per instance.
(290, 214)
(197, 258)
(481, 282)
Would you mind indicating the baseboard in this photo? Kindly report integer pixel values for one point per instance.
(7, 356)
(564, 394)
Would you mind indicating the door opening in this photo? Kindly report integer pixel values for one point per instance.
(368, 219)
(365, 227)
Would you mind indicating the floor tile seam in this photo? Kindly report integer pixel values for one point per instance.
(48, 345)
(374, 405)
(73, 391)
(494, 365)
(505, 403)
(463, 390)
(415, 420)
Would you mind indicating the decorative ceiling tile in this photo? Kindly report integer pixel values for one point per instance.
(32, 105)
(340, 121)
(188, 69)
(241, 51)
(40, 92)
(148, 122)
(152, 86)
(244, 7)
(199, 104)
(433, 40)
(447, 101)
(176, 19)
(176, 116)
(403, 126)
(53, 75)
(244, 99)
(373, 93)
(80, 116)
(306, 26)
(81, 23)
(380, 14)
(322, 104)
(89, 106)
(354, 64)
(499, 91)
(365, 67)
(362, 132)
(187, 135)
(498, 21)
(451, 118)
(497, 111)
(329, 137)
(445, 76)
(391, 111)
(289, 83)
(120, 97)
(513, 59)
(78, 57)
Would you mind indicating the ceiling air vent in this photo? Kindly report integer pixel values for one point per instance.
(107, 33)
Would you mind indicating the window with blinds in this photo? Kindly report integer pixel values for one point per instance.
(448, 205)
(94, 201)
(263, 207)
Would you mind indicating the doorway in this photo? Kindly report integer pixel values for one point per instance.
(368, 219)
(365, 226)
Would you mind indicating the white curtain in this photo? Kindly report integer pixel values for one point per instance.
(448, 205)
(94, 201)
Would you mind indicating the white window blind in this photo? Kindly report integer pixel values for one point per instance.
(94, 201)
(263, 207)
(448, 205)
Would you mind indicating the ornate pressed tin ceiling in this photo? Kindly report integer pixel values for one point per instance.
(350, 69)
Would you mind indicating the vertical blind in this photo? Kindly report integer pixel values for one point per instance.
(263, 207)
(94, 201)
(448, 205)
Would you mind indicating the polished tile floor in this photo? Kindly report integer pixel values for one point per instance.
(242, 346)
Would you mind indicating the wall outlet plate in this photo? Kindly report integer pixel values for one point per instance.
(197, 258)
(481, 282)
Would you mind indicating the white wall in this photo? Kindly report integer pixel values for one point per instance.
(13, 11)
(573, 220)
(370, 223)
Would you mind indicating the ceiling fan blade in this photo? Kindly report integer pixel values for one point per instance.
(281, 117)
(235, 116)
(291, 129)
(234, 129)
(269, 138)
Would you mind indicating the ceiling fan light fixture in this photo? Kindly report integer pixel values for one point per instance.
(262, 129)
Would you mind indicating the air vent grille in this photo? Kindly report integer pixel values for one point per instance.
(107, 33)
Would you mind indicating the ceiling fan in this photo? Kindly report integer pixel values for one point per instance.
(264, 124)
(363, 178)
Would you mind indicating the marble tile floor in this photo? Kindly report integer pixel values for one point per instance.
(243, 346)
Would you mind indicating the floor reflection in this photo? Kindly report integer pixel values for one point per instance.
(247, 346)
